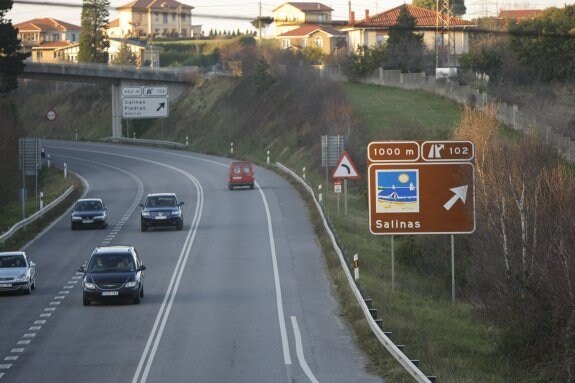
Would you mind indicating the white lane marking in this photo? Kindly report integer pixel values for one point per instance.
(5, 366)
(24, 341)
(279, 300)
(11, 358)
(42, 321)
(53, 303)
(17, 350)
(29, 335)
(299, 351)
(34, 328)
(46, 315)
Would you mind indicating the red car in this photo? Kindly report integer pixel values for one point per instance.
(241, 174)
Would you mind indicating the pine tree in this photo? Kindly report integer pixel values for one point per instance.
(94, 43)
(11, 61)
(125, 56)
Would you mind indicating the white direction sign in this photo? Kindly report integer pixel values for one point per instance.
(144, 107)
(144, 101)
(155, 91)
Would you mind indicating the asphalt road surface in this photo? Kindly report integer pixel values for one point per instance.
(239, 295)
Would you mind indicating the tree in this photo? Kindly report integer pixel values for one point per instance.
(94, 43)
(547, 43)
(405, 49)
(125, 56)
(312, 55)
(11, 61)
(457, 6)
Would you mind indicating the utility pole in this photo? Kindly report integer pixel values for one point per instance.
(260, 23)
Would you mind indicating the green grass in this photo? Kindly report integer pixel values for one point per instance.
(385, 109)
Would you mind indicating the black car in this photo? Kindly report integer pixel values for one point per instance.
(161, 210)
(89, 212)
(113, 273)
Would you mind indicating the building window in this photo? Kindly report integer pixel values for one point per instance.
(55, 37)
(173, 17)
(318, 42)
(285, 43)
(156, 17)
(183, 17)
(165, 18)
(73, 37)
(380, 39)
(304, 43)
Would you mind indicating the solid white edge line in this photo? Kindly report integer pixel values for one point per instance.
(279, 300)
(299, 351)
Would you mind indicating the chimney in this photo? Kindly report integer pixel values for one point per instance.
(367, 15)
(352, 18)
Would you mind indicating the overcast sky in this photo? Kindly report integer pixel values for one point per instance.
(240, 12)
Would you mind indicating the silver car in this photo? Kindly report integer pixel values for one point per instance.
(17, 272)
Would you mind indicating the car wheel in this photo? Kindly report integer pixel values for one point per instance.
(143, 227)
(28, 290)
(180, 225)
(252, 186)
(86, 301)
(104, 225)
(142, 292)
(230, 187)
(73, 227)
(137, 300)
(34, 285)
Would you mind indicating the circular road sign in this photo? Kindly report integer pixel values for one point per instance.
(51, 115)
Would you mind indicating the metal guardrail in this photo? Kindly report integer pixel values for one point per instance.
(140, 141)
(35, 216)
(406, 363)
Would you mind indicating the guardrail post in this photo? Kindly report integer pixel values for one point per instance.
(268, 158)
(41, 200)
(186, 141)
(65, 170)
(303, 173)
(231, 148)
(319, 195)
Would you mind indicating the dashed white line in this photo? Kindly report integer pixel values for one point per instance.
(34, 328)
(17, 350)
(24, 341)
(11, 358)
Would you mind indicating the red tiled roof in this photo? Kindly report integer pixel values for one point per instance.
(423, 18)
(54, 44)
(308, 29)
(113, 24)
(308, 7)
(46, 24)
(154, 4)
(519, 14)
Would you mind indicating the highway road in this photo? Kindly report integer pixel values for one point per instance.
(239, 295)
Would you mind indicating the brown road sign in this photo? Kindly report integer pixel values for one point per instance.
(432, 195)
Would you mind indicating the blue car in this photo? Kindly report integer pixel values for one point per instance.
(89, 212)
(161, 210)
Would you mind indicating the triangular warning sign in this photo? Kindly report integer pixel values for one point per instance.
(345, 168)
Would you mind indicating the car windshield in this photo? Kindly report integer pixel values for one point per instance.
(12, 261)
(160, 201)
(109, 263)
(89, 205)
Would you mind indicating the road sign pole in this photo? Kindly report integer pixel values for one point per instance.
(345, 197)
(392, 265)
(452, 270)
